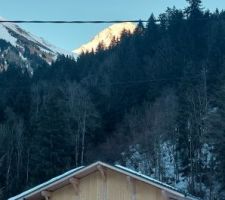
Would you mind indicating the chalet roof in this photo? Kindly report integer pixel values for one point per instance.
(62, 180)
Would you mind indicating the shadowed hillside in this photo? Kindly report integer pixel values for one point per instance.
(155, 102)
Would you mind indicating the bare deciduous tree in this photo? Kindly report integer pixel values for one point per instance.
(83, 117)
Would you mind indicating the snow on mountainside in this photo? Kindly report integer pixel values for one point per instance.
(106, 37)
(20, 47)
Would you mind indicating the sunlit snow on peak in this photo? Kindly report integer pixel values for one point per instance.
(106, 36)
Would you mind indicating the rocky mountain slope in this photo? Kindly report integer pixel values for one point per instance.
(24, 49)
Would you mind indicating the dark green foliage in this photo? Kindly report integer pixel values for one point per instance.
(164, 84)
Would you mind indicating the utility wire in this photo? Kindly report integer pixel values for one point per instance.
(136, 82)
(95, 21)
(69, 21)
(147, 81)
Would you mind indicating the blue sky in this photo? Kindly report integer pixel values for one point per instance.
(70, 36)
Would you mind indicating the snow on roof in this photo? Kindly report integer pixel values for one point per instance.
(46, 183)
(147, 177)
(116, 168)
(155, 181)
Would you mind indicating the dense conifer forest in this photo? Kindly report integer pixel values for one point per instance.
(154, 101)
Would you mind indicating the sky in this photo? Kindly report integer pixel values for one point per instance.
(72, 36)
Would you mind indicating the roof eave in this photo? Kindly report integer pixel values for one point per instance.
(89, 169)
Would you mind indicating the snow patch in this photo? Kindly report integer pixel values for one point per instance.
(4, 34)
(20, 196)
(45, 46)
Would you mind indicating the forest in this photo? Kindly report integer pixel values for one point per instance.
(153, 101)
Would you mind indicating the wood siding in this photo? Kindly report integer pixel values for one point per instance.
(116, 186)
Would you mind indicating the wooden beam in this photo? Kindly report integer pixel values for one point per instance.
(132, 186)
(168, 196)
(164, 195)
(75, 182)
(102, 171)
(129, 180)
(104, 182)
(46, 194)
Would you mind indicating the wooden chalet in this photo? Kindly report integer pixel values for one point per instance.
(100, 181)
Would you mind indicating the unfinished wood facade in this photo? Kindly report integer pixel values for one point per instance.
(102, 182)
(113, 186)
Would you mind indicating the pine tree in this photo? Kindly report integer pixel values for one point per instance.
(151, 36)
(50, 147)
(194, 10)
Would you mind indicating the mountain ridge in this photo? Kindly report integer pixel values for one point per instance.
(25, 48)
(105, 37)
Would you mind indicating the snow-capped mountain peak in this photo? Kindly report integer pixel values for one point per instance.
(106, 36)
(24, 46)
(10, 28)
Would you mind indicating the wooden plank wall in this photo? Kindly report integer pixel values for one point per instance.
(114, 186)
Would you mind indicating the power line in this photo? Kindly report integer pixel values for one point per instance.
(70, 21)
(146, 81)
(130, 83)
(96, 21)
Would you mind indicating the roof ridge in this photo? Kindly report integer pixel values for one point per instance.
(118, 168)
